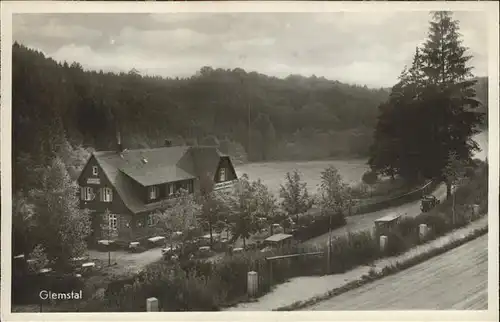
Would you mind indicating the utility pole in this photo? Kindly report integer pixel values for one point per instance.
(329, 245)
(249, 126)
(109, 245)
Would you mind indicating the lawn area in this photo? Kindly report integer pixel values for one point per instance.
(272, 174)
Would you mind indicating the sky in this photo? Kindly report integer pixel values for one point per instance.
(365, 48)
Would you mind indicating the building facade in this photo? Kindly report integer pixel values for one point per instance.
(131, 185)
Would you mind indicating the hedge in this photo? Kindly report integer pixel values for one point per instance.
(386, 271)
(396, 201)
(204, 286)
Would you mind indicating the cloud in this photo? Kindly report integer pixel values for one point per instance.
(366, 48)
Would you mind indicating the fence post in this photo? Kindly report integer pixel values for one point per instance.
(270, 271)
(422, 231)
(252, 283)
(475, 209)
(152, 304)
(383, 243)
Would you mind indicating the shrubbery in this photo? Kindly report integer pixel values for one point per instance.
(205, 286)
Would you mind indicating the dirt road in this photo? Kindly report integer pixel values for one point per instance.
(365, 222)
(456, 280)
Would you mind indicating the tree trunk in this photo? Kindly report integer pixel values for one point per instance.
(453, 210)
(211, 232)
(244, 242)
(271, 230)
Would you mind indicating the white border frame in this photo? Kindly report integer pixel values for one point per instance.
(10, 7)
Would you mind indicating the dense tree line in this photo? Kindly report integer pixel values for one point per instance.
(432, 112)
(263, 117)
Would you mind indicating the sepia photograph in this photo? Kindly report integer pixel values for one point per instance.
(249, 158)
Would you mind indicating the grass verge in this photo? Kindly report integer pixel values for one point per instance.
(386, 271)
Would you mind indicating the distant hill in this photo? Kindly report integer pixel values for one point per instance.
(262, 117)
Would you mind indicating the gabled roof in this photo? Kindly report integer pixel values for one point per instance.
(152, 167)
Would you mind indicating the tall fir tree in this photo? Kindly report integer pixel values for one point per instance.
(430, 112)
(451, 92)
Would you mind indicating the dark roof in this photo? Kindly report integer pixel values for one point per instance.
(154, 166)
(278, 237)
(388, 218)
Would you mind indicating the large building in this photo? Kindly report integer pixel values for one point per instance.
(134, 184)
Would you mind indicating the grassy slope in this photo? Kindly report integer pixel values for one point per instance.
(426, 286)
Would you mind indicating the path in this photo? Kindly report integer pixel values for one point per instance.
(306, 287)
(441, 283)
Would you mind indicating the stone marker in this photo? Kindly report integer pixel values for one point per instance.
(383, 243)
(152, 304)
(253, 283)
(475, 210)
(422, 230)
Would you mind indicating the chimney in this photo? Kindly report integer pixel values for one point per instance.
(119, 142)
(168, 143)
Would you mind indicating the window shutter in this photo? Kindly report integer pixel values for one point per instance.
(82, 193)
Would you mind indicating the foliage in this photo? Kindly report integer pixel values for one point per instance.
(334, 197)
(23, 222)
(212, 285)
(243, 207)
(370, 177)
(39, 259)
(62, 226)
(214, 212)
(454, 170)
(431, 111)
(58, 102)
(179, 214)
(267, 205)
(294, 195)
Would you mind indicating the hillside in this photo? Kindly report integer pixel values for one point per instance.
(252, 116)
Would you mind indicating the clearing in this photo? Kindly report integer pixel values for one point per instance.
(441, 283)
(273, 174)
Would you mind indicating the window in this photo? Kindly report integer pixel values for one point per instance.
(170, 187)
(154, 192)
(95, 170)
(222, 174)
(87, 193)
(106, 194)
(113, 221)
(151, 220)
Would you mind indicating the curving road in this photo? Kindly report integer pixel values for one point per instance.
(365, 222)
(441, 283)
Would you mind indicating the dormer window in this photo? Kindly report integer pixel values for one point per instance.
(153, 192)
(222, 174)
(95, 170)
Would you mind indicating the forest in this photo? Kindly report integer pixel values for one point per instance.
(61, 108)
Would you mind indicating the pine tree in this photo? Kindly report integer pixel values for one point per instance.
(451, 91)
(429, 112)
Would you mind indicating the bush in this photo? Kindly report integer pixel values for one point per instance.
(369, 177)
(318, 224)
(201, 286)
(353, 250)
